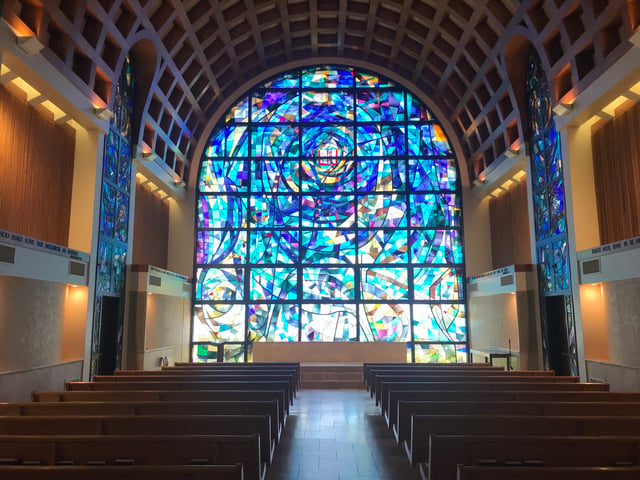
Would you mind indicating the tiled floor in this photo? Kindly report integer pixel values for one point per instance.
(338, 435)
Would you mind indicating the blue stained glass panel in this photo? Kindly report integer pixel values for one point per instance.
(274, 141)
(224, 176)
(416, 110)
(560, 266)
(124, 167)
(121, 226)
(328, 322)
(328, 175)
(108, 210)
(219, 323)
(368, 106)
(381, 140)
(275, 176)
(436, 247)
(288, 80)
(111, 158)
(105, 261)
(428, 139)
(274, 284)
(327, 141)
(329, 246)
(435, 175)
(274, 211)
(327, 106)
(367, 80)
(326, 77)
(220, 211)
(381, 175)
(382, 246)
(330, 283)
(274, 322)
(435, 210)
(226, 247)
(220, 284)
(437, 283)
(384, 322)
(274, 247)
(336, 211)
(545, 261)
(275, 106)
(383, 210)
(384, 283)
(119, 266)
(556, 204)
(439, 323)
(541, 214)
(237, 141)
(216, 146)
(239, 112)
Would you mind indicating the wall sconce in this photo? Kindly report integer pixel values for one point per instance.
(180, 183)
(562, 108)
(148, 156)
(478, 182)
(103, 113)
(29, 44)
(512, 152)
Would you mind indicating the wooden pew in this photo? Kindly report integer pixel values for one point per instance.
(247, 378)
(129, 472)
(407, 408)
(234, 407)
(145, 425)
(448, 451)
(395, 396)
(215, 365)
(433, 372)
(385, 387)
(372, 372)
(163, 396)
(187, 385)
(424, 425)
(547, 473)
(142, 449)
(466, 379)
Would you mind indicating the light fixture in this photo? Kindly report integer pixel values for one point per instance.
(103, 113)
(512, 152)
(562, 108)
(29, 44)
(148, 156)
(478, 182)
(635, 39)
(179, 183)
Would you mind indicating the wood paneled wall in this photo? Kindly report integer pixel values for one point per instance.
(510, 241)
(150, 229)
(616, 168)
(36, 171)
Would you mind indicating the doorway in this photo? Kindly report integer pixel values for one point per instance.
(556, 314)
(110, 336)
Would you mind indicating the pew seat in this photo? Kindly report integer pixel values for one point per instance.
(547, 473)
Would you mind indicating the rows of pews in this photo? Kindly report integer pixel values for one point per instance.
(187, 422)
(479, 422)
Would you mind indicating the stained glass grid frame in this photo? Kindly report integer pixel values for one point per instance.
(346, 222)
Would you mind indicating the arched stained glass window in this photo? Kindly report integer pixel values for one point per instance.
(329, 209)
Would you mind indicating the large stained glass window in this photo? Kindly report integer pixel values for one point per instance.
(329, 209)
(548, 203)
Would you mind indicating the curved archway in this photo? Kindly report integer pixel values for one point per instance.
(329, 209)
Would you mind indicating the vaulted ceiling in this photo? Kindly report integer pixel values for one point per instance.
(194, 56)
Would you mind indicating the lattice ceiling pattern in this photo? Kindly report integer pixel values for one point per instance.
(453, 51)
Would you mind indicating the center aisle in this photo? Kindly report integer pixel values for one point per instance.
(338, 435)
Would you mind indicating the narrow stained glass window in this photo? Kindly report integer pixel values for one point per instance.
(329, 209)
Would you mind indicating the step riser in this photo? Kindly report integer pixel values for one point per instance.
(331, 377)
